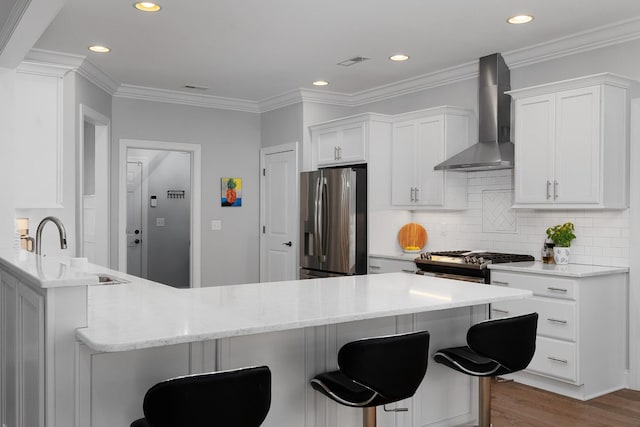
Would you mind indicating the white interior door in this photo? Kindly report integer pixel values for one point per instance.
(279, 212)
(134, 218)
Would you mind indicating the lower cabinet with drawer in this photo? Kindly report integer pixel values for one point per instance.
(581, 345)
(382, 264)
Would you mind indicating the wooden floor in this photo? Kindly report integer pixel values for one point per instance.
(518, 405)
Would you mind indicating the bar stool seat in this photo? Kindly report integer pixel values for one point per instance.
(494, 347)
(239, 398)
(376, 371)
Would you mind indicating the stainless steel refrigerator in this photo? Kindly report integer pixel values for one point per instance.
(333, 222)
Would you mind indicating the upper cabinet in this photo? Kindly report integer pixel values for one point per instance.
(341, 142)
(38, 136)
(571, 144)
(421, 140)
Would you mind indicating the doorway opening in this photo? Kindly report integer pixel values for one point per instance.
(159, 220)
(92, 229)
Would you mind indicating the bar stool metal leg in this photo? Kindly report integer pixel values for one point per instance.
(484, 395)
(369, 417)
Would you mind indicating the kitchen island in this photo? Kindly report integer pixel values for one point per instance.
(98, 348)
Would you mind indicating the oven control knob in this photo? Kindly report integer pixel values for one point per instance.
(425, 255)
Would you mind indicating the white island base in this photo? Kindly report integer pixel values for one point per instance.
(116, 382)
(98, 349)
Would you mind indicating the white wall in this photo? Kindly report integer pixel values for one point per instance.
(230, 148)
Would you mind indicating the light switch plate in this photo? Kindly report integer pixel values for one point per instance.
(159, 222)
(216, 224)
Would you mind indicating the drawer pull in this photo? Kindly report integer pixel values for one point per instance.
(500, 311)
(561, 290)
(564, 322)
(498, 282)
(375, 267)
(555, 359)
(408, 271)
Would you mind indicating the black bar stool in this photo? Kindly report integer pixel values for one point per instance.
(495, 347)
(376, 371)
(239, 398)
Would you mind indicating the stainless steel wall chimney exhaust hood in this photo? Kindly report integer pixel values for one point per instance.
(495, 149)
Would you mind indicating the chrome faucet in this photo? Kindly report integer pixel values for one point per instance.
(61, 232)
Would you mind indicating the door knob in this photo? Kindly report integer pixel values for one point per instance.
(288, 243)
(136, 241)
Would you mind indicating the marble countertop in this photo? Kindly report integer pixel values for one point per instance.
(146, 314)
(568, 270)
(56, 272)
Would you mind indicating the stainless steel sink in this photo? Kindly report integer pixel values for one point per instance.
(106, 279)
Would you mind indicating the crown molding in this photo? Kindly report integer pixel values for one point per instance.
(78, 63)
(184, 98)
(96, 76)
(596, 38)
(592, 39)
(296, 96)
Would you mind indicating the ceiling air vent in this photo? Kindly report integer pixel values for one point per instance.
(352, 61)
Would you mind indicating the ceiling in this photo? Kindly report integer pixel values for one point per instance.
(256, 49)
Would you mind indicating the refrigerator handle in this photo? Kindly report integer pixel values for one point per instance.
(323, 219)
(317, 242)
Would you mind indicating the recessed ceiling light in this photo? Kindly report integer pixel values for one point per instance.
(520, 19)
(320, 83)
(99, 49)
(399, 57)
(147, 6)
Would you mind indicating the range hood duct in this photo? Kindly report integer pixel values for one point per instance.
(495, 149)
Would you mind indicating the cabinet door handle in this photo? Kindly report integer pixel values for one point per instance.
(416, 192)
(498, 282)
(555, 190)
(548, 189)
(375, 267)
(564, 291)
(500, 311)
(555, 359)
(335, 153)
(408, 271)
(564, 322)
(339, 153)
(413, 199)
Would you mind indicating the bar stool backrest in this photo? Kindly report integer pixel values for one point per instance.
(393, 366)
(239, 398)
(510, 341)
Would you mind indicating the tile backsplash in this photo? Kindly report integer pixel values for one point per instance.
(490, 223)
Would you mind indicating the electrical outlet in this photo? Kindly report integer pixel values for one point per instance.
(159, 222)
(216, 225)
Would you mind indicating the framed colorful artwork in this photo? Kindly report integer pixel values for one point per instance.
(231, 191)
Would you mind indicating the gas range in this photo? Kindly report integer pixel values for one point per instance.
(464, 265)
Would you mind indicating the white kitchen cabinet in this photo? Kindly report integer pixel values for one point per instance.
(37, 148)
(341, 142)
(571, 144)
(381, 264)
(581, 342)
(421, 140)
(22, 354)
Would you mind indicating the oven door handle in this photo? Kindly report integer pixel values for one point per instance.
(454, 277)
